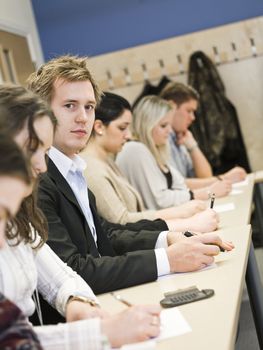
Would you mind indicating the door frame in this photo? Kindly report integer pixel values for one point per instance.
(14, 29)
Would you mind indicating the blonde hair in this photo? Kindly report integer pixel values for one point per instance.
(146, 115)
(68, 68)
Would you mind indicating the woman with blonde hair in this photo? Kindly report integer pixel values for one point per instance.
(117, 200)
(146, 162)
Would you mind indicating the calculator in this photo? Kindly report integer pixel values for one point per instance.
(185, 296)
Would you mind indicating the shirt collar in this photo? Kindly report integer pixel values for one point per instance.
(64, 163)
(173, 136)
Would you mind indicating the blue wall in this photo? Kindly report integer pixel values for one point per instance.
(92, 27)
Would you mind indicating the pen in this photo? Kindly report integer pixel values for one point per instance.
(154, 322)
(121, 299)
(212, 201)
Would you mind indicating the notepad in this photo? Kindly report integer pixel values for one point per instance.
(224, 207)
(172, 324)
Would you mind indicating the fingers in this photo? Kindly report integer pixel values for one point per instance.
(153, 310)
(153, 331)
(155, 321)
(227, 245)
(209, 249)
(209, 238)
(212, 243)
(150, 318)
(207, 260)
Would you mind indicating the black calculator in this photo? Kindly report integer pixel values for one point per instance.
(185, 296)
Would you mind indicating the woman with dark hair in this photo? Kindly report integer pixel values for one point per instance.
(26, 262)
(116, 199)
(15, 180)
(21, 113)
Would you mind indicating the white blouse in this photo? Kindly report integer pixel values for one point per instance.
(22, 269)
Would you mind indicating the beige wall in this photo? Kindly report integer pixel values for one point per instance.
(243, 79)
(17, 17)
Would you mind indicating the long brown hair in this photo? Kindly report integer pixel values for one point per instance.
(13, 162)
(20, 108)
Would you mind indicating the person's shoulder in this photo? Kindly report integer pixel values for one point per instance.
(135, 146)
(45, 179)
(94, 165)
(46, 183)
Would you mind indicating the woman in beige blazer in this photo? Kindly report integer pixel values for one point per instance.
(117, 201)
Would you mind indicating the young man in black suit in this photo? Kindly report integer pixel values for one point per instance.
(108, 256)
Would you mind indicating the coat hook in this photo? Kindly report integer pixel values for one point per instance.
(234, 48)
(217, 57)
(181, 67)
(127, 76)
(162, 66)
(253, 47)
(110, 80)
(145, 72)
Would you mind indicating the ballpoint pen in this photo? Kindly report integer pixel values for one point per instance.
(155, 320)
(121, 299)
(212, 201)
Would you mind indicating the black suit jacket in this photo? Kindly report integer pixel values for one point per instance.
(124, 255)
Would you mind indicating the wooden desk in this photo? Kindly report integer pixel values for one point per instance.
(213, 321)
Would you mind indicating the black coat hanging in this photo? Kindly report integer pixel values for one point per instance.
(216, 127)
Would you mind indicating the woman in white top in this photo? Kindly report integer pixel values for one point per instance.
(26, 262)
(15, 179)
(117, 200)
(146, 162)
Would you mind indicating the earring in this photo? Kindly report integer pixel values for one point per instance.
(100, 132)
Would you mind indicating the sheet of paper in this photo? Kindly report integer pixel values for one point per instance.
(235, 192)
(145, 345)
(224, 207)
(172, 324)
(211, 266)
(240, 183)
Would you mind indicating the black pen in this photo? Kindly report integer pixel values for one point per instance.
(212, 200)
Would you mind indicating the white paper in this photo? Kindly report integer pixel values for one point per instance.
(235, 192)
(172, 324)
(208, 267)
(224, 207)
(240, 183)
(145, 345)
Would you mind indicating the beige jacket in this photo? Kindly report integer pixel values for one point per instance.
(117, 201)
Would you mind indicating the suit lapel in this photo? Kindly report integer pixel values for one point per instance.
(64, 187)
(103, 242)
(62, 183)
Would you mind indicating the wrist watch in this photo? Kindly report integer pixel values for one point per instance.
(82, 299)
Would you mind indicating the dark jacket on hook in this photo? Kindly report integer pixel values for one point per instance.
(216, 127)
(149, 89)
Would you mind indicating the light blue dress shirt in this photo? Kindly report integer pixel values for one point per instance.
(180, 158)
